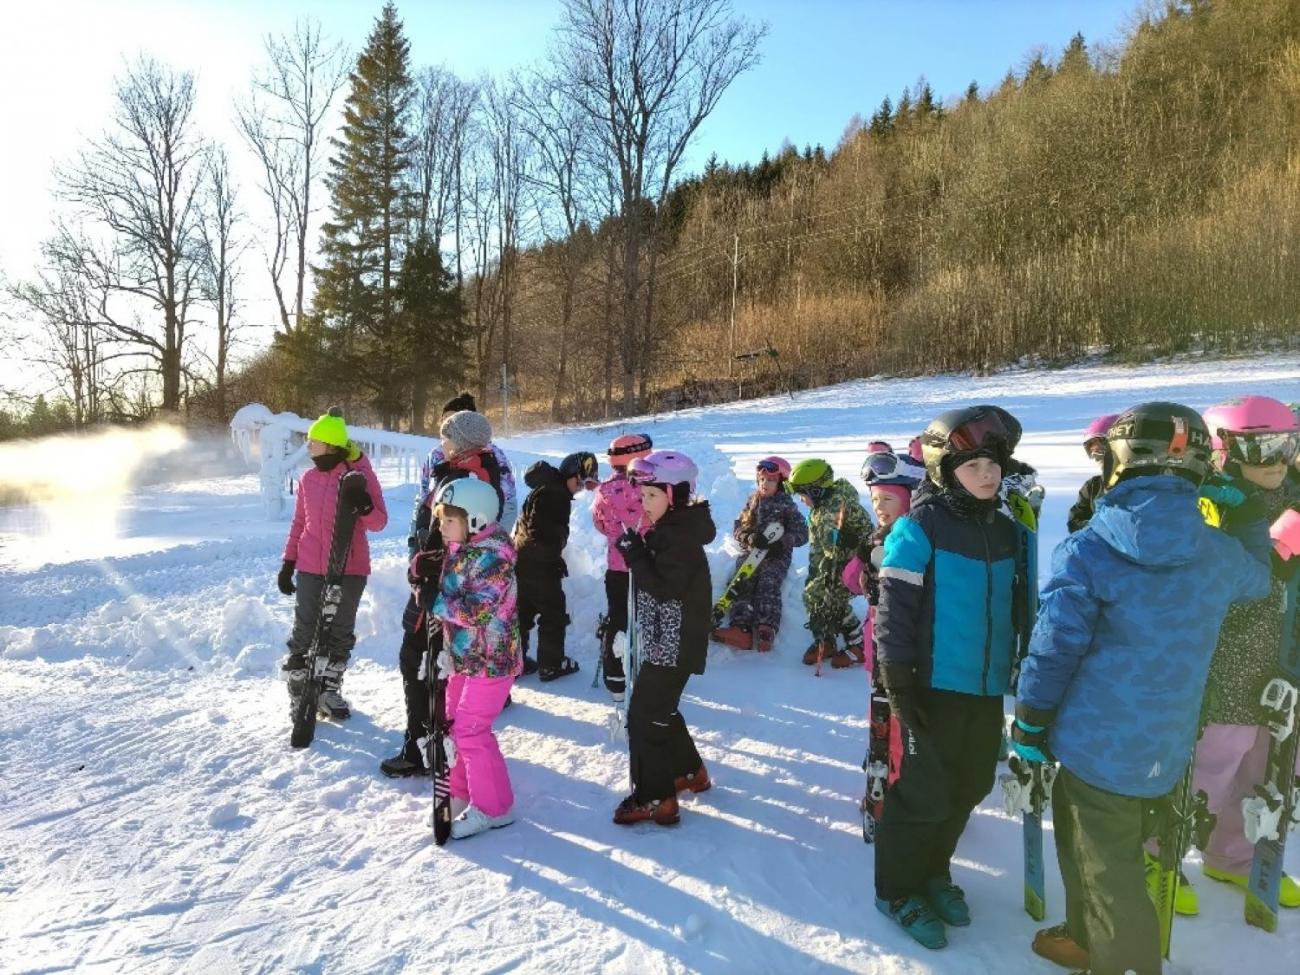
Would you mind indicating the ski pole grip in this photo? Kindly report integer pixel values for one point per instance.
(1285, 533)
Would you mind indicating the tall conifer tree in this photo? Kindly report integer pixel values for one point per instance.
(372, 206)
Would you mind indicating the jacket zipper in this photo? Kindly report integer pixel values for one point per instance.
(988, 609)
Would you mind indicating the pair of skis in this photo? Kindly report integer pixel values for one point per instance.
(879, 736)
(304, 708)
(1027, 786)
(744, 574)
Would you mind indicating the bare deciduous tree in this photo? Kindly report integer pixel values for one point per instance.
(560, 134)
(647, 73)
(283, 122)
(221, 248)
(138, 186)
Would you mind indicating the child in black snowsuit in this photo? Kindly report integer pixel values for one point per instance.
(670, 576)
(540, 536)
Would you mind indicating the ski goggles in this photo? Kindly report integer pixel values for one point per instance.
(813, 493)
(985, 430)
(880, 465)
(769, 468)
(639, 472)
(1262, 449)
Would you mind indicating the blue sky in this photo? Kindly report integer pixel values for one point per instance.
(823, 61)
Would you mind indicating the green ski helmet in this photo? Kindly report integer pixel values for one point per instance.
(812, 478)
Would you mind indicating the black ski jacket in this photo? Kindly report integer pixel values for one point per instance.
(674, 592)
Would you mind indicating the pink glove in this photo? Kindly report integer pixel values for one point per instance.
(1286, 534)
(852, 576)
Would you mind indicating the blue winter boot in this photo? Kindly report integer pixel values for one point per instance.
(915, 917)
(948, 901)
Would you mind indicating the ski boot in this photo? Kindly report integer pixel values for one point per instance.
(735, 636)
(857, 651)
(473, 821)
(1056, 945)
(820, 650)
(405, 764)
(1289, 894)
(697, 781)
(948, 901)
(567, 666)
(842, 658)
(915, 917)
(764, 638)
(293, 671)
(331, 704)
(1186, 901)
(664, 812)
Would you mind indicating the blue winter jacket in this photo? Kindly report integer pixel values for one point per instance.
(945, 597)
(1125, 631)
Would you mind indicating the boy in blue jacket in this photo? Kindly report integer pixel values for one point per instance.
(943, 630)
(1116, 671)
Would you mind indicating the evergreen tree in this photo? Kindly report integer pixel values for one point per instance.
(882, 122)
(433, 329)
(973, 92)
(371, 206)
(1075, 58)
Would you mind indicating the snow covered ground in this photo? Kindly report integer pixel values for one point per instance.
(154, 819)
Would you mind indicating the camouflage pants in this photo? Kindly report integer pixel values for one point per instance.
(829, 612)
(761, 604)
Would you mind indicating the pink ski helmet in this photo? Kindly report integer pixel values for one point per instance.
(1255, 430)
(1096, 434)
(667, 469)
(768, 466)
(628, 447)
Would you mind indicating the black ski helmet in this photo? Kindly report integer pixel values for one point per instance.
(582, 465)
(965, 431)
(1157, 438)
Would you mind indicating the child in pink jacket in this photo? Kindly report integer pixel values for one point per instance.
(477, 605)
(338, 469)
(616, 508)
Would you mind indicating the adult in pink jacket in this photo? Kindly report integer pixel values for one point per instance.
(617, 508)
(339, 471)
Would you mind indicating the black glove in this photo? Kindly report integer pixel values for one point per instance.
(441, 471)
(631, 545)
(900, 688)
(285, 579)
(353, 489)
(757, 540)
(425, 567)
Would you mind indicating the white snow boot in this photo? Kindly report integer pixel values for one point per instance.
(474, 820)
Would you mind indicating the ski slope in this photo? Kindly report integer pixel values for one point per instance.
(153, 817)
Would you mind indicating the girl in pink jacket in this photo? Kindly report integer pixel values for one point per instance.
(617, 508)
(338, 469)
(477, 606)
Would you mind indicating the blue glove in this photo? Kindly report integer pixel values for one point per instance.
(1028, 741)
(1221, 490)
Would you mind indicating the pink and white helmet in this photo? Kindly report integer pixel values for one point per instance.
(663, 467)
(1253, 429)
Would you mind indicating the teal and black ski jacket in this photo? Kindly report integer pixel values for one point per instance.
(945, 613)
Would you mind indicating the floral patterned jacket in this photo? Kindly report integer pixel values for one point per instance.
(476, 603)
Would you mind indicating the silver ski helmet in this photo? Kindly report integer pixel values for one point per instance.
(479, 501)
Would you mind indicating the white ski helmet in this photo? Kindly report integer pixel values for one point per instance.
(479, 501)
